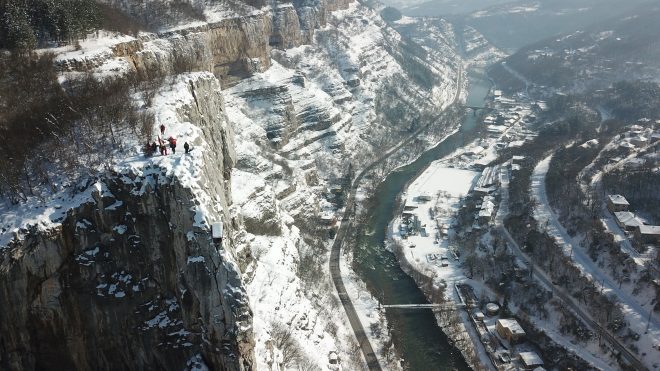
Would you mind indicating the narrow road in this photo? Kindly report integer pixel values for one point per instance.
(607, 218)
(543, 213)
(347, 223)
(546, 281)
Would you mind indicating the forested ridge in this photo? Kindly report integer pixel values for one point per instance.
(27, 24)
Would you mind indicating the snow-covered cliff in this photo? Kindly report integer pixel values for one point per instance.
(122, 269)
(233, 40)
(124, 273)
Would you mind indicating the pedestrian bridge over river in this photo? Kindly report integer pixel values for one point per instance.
(424, 306)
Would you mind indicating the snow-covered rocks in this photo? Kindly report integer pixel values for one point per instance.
(117, 247)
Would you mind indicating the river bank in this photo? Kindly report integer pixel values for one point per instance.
(416, 334)
(421, 229)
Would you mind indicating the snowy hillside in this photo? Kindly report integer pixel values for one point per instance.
(319, 111)
(281, 105)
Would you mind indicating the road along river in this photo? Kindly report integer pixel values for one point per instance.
(415, 333)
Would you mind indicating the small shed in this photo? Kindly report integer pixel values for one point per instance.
(530, 360)
(217, 232)
(424, 197)
(333, 359)
(492, 309)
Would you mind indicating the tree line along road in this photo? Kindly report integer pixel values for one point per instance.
(544, 278)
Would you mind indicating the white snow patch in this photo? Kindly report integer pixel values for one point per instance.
(196, 259)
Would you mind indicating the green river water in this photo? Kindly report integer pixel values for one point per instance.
(415, 333)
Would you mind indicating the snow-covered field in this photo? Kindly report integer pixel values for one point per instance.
(441, 190)
(445, 187)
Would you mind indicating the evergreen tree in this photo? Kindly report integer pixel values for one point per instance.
(16, 29)
(27, 23)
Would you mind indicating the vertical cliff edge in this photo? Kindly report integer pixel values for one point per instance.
(129, 277)
(120, 271)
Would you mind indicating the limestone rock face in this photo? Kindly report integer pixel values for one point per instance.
(232, 46)
(125, 288)
(261, 216)
(132, 278)
(286, 27)
(275, 102)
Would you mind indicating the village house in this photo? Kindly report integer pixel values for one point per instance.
(617, 203)
(489, 176)
(639, 141)
(510, 330)
(479, 191)
(424, 197)
(328, 218)
(648, 234)
(487, 209)
(627, 220)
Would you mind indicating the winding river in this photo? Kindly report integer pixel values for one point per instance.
(415, 333)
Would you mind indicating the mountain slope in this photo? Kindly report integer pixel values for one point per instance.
(288, 101)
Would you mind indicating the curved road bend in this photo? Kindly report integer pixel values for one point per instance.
(543, 277)
(543, 211)
(335, 253)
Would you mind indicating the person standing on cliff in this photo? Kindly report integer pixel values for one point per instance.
(163, 148)
(147, 150)
(162, 129)
(172, 141)
(186, 147)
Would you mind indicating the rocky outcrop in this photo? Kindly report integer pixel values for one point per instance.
(276, 102)
(132, 279)
(232, 49)
(286, 27)
(232, 45)
(134, 286)
(261, 215)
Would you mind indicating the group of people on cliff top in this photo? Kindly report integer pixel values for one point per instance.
(151, 148)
